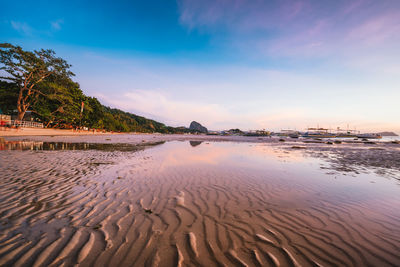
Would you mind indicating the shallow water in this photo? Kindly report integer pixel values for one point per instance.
(193, 203)
(52, 146)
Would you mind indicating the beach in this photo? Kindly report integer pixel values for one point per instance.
(200, 133)
(47, 132)
(187, 200)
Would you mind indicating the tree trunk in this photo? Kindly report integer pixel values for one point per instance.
(21, 115)
(20, 105)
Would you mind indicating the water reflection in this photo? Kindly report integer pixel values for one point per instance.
(35, 145)
(332, 160)
(195, 143)
(349, 159)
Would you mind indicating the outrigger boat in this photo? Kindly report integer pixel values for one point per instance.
(318, 133)
(369, 136)
(327, 133)
(290, 133)
(341, 133)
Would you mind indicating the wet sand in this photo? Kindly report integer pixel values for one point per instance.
(196, 203)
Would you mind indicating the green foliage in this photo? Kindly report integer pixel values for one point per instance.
(28, 71)
(61, 106)
(55, 99)
(118, 120)
(8, 97)
(235, 131)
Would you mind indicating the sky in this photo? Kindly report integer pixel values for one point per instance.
(248, 64)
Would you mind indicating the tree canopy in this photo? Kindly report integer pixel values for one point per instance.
(28, 70)
(42, 83)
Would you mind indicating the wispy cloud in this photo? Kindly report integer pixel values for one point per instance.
(22, 27)
(56, 25)
(246, 97)
(158, 105)
(304, 28)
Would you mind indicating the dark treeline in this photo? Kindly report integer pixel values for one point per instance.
(41, 84)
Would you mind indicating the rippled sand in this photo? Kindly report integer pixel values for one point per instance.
(193, 204)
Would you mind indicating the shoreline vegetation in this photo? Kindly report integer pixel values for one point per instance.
(38, 86)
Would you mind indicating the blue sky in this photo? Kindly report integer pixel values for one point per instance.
(240, 63)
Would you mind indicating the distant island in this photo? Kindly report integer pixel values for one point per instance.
(388, 134)
(197, 127)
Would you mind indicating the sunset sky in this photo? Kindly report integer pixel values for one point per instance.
(244, 64)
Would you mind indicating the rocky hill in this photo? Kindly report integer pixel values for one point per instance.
(195, 126)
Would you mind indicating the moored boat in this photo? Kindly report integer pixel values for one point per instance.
(369, 136)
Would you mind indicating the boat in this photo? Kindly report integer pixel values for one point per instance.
(342, 133)
(290, 133)
(294, 135)
(318, 133)
(369, 136)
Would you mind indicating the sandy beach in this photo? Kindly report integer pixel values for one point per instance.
(211, 133)
(155, 200)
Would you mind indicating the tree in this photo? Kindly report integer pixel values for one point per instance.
(61, 106)
(40, 82)
(8, 97)
(28, 70)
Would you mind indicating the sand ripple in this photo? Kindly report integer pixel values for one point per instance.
(61, 208)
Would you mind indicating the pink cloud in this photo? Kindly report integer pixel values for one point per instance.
(239, 14)
(300, 27)
(378, 29)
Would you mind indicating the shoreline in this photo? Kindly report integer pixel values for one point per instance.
(348, 156)
(72, 136)
(7, 132)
